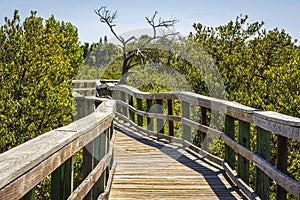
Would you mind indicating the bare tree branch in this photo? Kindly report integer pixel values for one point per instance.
(161, 23)
(109, 17)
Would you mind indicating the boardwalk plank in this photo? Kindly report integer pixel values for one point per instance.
(150, 169)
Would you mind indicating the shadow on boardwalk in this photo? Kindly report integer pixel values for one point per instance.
(186, 174)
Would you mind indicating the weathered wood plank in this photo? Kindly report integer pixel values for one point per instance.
(263, 149)
(62, 180)
(278, 118)
(150, 126)
(243, 139)
(131, 113)
(23, 167)
(178, 175)
(170, 113)
(105, 194)
(140, 107)
(229, 131)
(279, 128)
(282, 157)
(160, 123)
(87, 164)
(92, 178)
(186, 130)
(248, 191)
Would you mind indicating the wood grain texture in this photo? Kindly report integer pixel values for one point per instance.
(149, 115)
(150, 169)
(24, 166)
(106, 193)
(86, 185)
(282, 179)
(278, 128)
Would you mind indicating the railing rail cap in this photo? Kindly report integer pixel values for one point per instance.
(278, 118)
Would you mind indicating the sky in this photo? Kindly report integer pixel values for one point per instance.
(283, 14)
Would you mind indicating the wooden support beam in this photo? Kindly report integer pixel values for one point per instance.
(124, 109)
(243, 139)
(149, 120)
(87, 164)
(282, 156)
(186, 130)
(140, 107)
(229, 131)
(160, 122)
(130, 102)
(263, 149)
(62, 180)
(204, 122)
(170, 112)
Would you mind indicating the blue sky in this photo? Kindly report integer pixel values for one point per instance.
(283, 14)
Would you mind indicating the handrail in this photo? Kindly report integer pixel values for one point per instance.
(285, 127)
(26, 165)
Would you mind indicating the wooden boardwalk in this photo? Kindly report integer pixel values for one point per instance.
(151, 169)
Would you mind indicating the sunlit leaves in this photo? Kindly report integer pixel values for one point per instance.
(38, 60)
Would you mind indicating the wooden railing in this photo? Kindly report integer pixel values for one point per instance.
(25, 166)
(134, 105)
(88, 87)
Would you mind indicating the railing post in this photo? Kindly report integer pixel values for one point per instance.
(130, 102)
(263, 150)
(87, 164)
(170, 112)
(85, 91)
(140, 107)
(160, 122)
(244, 139)
(123, 98)
(62, 180)
(99, 152)
(229, 130)
(149, 124)
(204, 122)
(282, 155)
(111, 132)
(186, 130)
(117, 95)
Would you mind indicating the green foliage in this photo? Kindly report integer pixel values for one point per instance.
(259, 68)
(38, 60)
(100, 61)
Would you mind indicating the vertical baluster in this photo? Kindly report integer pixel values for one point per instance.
(229, 130)
(99, 152)
(160, 122)
(62, 180)
(205, 123)
(124, 109)
(282, 155)
(130, 102)
(263, 150)
(140, 107)
(186, 130)
(244, 139)
(149, 120)
(87, 164)
(85, 91)
(170, 112)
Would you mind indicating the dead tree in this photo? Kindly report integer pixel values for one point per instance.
(109, 17)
